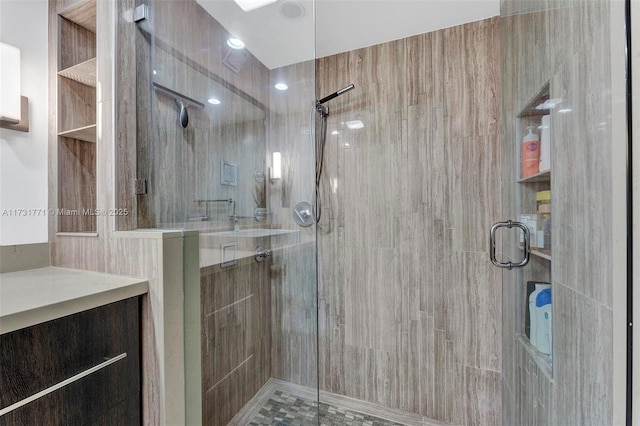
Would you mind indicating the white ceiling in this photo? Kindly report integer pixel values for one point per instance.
(341, 25)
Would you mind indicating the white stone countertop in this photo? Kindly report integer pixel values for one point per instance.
(35, 296)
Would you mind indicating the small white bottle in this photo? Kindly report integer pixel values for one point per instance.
(533, 317)
(545, 144)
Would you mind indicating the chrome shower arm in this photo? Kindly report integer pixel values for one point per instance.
(187, 101)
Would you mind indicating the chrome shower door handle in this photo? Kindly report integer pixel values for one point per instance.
(492, 244)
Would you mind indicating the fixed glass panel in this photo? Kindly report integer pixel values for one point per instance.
(225, 151)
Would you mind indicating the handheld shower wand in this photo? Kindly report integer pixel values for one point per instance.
(324, 111)
(336, 94)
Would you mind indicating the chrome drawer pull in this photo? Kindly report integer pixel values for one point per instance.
(492, 244)
(61, 384)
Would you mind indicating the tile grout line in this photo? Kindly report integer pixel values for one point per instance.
(230, 373)
(230, 305)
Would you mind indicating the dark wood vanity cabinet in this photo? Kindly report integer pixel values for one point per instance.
(39, 357)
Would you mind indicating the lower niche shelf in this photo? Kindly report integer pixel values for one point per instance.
(86, 133)
(544, 362)
(541, 253)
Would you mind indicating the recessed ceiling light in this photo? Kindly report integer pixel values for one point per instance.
(214, 101)
(248, 5)
(292, 10)
(155, 72)
(357, 124)
(335, 132)
(235, 43)
(281, 86)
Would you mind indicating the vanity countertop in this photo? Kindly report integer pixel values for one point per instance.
(35, 296)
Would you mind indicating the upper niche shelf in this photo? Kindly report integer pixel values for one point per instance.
(82, 13)
(84, 72)
(538, 177)
(540, 105)
(86, 133)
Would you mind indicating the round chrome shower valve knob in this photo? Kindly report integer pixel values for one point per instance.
(262, 254)
(303, 214)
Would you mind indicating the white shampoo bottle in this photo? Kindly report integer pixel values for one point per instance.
(533, 317)
(543, 316)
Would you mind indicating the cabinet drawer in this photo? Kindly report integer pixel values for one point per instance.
(124, 414)
(38, 357)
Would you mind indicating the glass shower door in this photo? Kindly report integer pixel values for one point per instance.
(563, 151)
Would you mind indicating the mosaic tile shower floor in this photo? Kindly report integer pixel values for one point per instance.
(284, 409)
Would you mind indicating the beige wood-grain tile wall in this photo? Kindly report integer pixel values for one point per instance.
(236, 337)
(410, 306)
(567, 43)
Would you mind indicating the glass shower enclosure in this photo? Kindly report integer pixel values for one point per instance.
(388, 297)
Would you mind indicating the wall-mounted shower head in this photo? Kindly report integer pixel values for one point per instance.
(181, 100)
(184, 114)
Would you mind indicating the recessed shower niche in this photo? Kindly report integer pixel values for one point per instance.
(534, 187)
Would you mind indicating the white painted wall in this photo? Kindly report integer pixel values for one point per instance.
(23, 156)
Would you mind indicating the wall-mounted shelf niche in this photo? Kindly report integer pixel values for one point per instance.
(76, 52)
